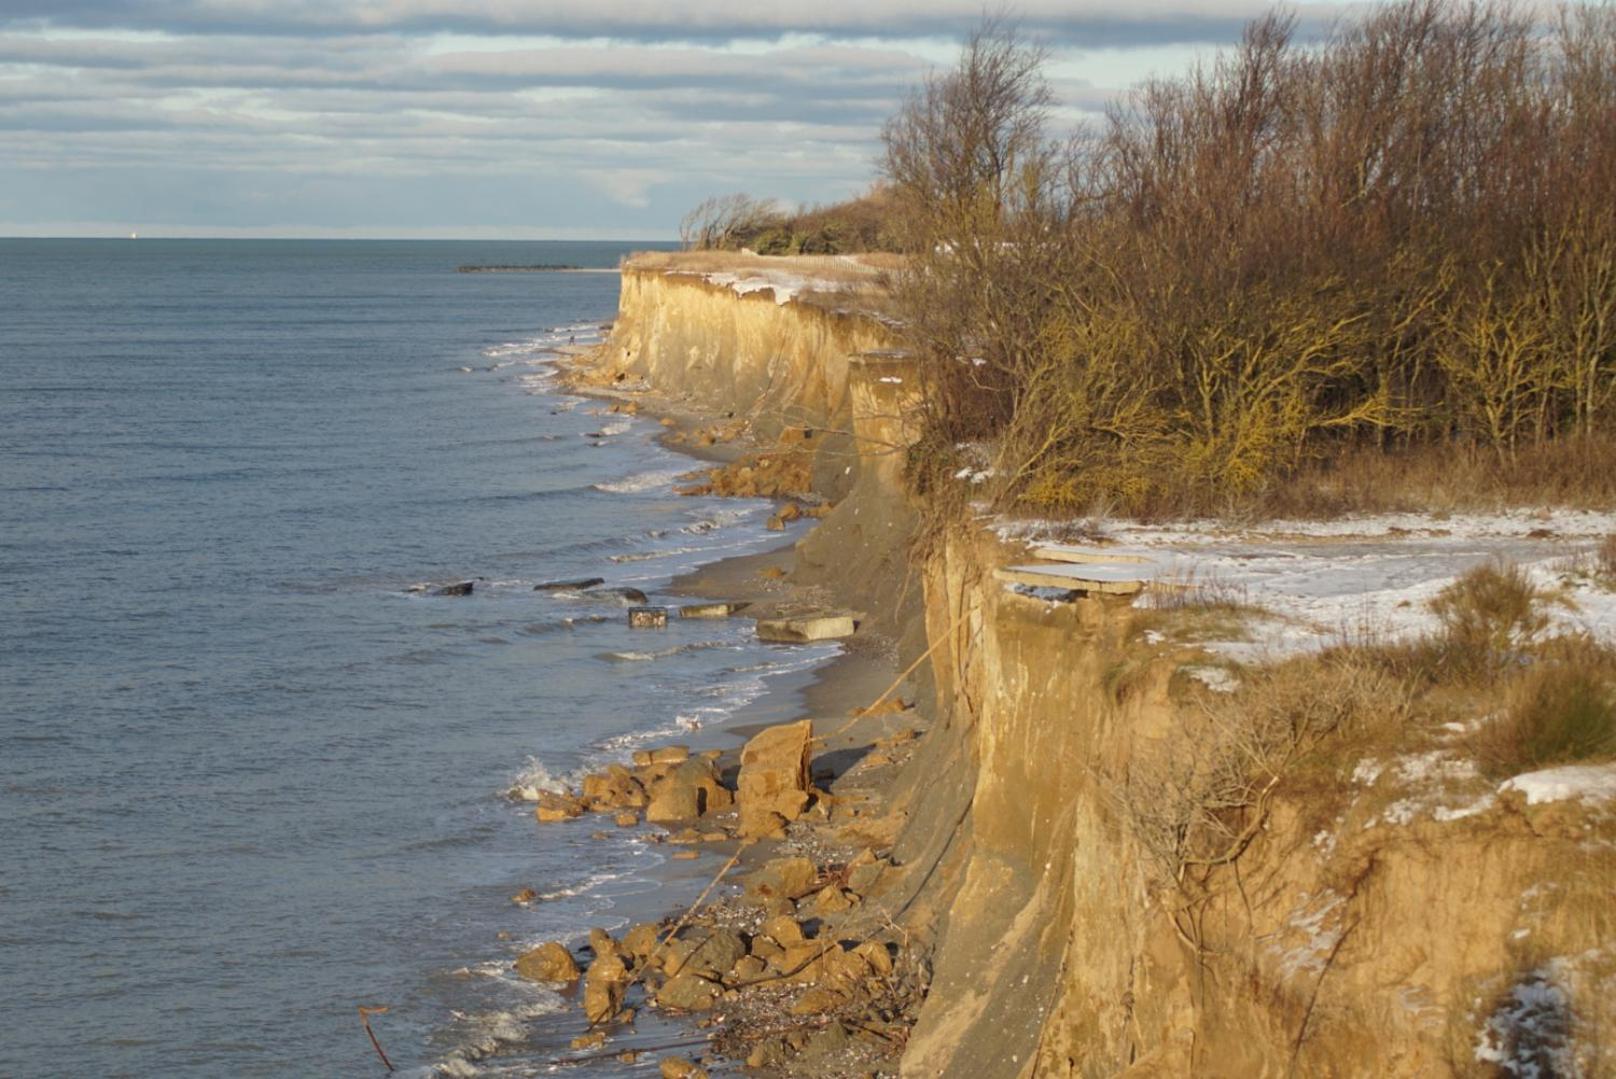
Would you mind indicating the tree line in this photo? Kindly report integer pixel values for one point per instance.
(1401, 237)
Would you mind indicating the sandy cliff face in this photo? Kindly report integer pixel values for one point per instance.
(793, 364)
(776, 364)
(1359, 945)
(1344, 940)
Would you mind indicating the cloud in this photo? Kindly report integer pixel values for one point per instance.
(425, 114)
(1090, 23)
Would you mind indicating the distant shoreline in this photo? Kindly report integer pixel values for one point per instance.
(540, 268)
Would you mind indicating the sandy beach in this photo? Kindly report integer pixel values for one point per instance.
(830, 695)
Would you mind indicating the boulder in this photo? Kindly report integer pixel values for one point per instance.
(602, 1000)
(641, 941)
(818, 1001)
(627, 818)
(554, 807)
(688, 791)
(671, 802)
(787, 878)
(680, 1068)
(689, 992)
(875, 956)
(645, 758)
(748, 969)
(602, 944)
(464, 588)
(805, 628)
(569, 586)
(615, 788)
(783, 930)
(710, 953)
(774, 777)
(549, 962)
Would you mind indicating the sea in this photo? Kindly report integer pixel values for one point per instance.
(254, 774)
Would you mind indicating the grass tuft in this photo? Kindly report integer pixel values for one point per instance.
(1561, 711)
(1489, 615)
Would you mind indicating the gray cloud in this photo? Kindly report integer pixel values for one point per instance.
(422, 115)
(1088, 23)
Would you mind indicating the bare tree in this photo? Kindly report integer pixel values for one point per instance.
(724, 220)
(972, 144)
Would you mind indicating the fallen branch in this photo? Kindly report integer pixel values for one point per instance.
(893, 688)
(612, 1054)
(365, 1012)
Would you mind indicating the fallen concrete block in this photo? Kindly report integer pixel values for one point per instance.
(801, 629)
(711, 610)
(1114, 579)
(569, 586)
(647, 617)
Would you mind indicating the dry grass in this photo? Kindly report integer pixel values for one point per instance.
(1578, 472)
(1605, 558)
(1199, 593)
(1300, 252)
(860, 269)
(1201, 797)
(1561, 710)
(1489, 615)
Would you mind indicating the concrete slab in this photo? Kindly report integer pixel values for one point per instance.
(801, 629)
(1060, 552)
(711, 610)
(1114, 579)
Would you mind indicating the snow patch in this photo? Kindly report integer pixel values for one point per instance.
(1586, 783)
(1529, 1034)
(1354, 578)
(1217, 679)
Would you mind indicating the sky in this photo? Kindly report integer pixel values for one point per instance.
(518, 119)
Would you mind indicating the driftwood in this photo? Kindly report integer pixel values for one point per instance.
(364, 1018)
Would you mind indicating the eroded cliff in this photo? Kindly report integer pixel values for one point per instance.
(1071, 931)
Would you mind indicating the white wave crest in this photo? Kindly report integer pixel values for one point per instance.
(481, 1034)
(721, 518)
(535, 780)
(641, 481)
(635, 656)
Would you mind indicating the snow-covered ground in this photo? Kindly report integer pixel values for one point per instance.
(1322, 582)
(786, 285)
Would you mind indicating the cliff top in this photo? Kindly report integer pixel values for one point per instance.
(841, 282)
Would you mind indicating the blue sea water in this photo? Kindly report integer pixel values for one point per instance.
(249, 781)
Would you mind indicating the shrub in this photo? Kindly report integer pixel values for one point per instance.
(1397, 238)
(1563, 710)
(1605, 558)
(1489, 615)
(1196, 800)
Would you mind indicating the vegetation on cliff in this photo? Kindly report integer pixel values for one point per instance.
(1395, 244)
(739, 221)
